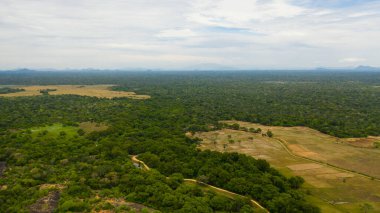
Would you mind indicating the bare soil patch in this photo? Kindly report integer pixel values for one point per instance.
(46, 204)
(139, 207)
(301, 151)
(100, 91)
(305, 166)
(368, 142)
(118, 202)
(335, 175)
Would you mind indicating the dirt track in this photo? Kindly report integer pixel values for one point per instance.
(254, 202)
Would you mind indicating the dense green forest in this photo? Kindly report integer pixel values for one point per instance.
(98, 163)
(343, 104)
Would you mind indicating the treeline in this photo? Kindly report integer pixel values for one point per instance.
(5, 90)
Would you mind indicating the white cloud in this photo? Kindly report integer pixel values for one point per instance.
(179, 33)
(352, 60)
(176, 33)
(232, 13)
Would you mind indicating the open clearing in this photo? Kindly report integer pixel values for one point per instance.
(100, 91)
(341, 152)
(89, 127)
(55, 130)
(332, 189)
(46, 204)
(120, 205)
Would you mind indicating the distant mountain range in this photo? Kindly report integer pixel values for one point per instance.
(203, 67)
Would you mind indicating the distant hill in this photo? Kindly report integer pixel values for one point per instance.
(18, 71)
(367, 68)
(358, 68)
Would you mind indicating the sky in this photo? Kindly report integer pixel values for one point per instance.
(183, 34)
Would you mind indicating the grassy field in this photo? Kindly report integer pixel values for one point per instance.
(348, 153)
(100, 91)
(332, 189)
(54, 131)
(58, 129)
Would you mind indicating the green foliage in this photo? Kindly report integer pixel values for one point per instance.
(46, 91)
(81, 132)
(5, 90)
(296, 182)
(377, 145)
(366, 208)
(73, 206)
(269, 133)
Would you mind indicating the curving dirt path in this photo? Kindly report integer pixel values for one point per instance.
(254, 202)
(134, 159)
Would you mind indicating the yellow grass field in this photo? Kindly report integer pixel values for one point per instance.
(332, 189)
(100, 91)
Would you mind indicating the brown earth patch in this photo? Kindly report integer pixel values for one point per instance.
(118, 202)
(139, 207)
(188, 134)
(301, 151)
(335, 175)
(46, 204)
(368, 142)
(304, 166)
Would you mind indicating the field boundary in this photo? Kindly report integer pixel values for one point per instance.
(254, 202)
(285, 146)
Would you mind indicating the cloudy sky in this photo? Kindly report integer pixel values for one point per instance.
(182, 34)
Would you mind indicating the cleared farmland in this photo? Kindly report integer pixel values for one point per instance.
(348, 153)
(332, 189)
(100, 91)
